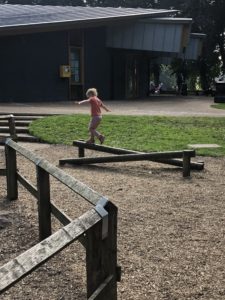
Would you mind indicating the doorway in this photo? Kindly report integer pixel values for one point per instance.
(132, 77)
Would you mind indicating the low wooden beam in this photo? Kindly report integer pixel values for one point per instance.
(102, 148)
(60, 215)
(2, 172)
(126, 157)
(29, 186)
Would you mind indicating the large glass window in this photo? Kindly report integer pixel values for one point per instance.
(75, 63)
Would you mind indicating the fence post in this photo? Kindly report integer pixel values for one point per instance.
(101, 259)
(11, 173)
(44, 205)
(186, 163)
(12, 127)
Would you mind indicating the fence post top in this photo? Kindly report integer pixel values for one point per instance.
(100, 209)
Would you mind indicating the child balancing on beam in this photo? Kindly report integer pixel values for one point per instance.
(96, 115)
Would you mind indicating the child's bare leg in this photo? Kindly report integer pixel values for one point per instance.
(95, 121)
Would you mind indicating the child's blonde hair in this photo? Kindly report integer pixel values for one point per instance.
(92, 91)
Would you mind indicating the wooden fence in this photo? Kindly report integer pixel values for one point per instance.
(176, 158)
(12, 128)
(96, 229)
(12, 134)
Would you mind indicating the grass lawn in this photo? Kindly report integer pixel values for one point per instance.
(141, 133)
(218, 106)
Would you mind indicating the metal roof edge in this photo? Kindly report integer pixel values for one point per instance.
(169, 20)
(198, 35)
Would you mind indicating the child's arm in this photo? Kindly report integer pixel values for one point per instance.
(105, 107)
(81, 102)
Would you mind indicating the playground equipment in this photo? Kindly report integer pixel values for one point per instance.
(176, 158)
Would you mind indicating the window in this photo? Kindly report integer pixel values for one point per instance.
(75, 63)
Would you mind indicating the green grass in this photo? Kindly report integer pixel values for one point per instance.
(142, 133)
(218, 106)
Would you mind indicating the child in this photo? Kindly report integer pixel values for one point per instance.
(96, 115)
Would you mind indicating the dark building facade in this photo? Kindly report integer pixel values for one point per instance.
(54, 58)
(31, 65)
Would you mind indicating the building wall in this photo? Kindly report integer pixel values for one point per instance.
(121, 59)
(30, 67)
(97, 62)
(144, 77)
(118, 75)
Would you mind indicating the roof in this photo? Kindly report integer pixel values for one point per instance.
(17, 17)
(167, 20)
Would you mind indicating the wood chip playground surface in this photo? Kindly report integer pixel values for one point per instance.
(171, 230)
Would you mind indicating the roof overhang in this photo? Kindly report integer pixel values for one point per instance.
(17, 19)
(194, 47)
(169, 35)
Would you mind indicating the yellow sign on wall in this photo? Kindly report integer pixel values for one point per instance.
(65, 71)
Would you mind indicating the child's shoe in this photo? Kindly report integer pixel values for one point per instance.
(101, 139)
(90, 141)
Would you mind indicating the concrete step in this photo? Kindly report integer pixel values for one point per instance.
(23, 137)
(22, 122)
(17, 123)
(26, 114)
(18, 129)
(28, 138)
(27, 118)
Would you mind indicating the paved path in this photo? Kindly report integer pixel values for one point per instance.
(155, 105)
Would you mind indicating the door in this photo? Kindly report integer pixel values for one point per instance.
(132, 77)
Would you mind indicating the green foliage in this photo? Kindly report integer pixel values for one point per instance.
(219, 106)
(142, 133)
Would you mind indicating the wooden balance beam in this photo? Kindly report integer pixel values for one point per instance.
(102, 148)
(135, 156)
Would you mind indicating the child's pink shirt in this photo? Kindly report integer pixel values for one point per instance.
(96, 104)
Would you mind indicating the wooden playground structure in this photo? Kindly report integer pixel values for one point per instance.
(12, 128)
(176, 158)
(96, 229)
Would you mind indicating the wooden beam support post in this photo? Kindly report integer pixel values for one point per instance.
(44, 205)
(11, 173)
(81, 151)
(101, 258)
(186, 163)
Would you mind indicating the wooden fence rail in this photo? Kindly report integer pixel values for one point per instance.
(22, 265)
(99, 240)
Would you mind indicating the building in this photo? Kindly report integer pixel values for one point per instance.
(52, 53)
